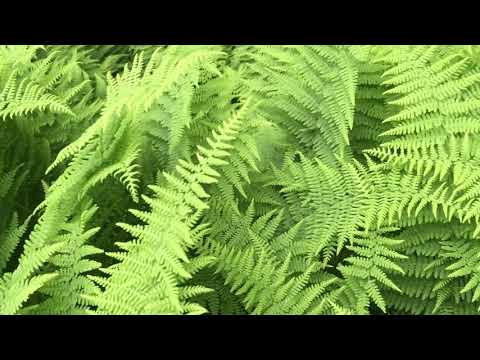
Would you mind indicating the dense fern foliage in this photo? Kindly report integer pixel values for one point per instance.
(321, 180)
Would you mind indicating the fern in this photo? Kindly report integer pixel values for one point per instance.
(295, 179)
(159, 248)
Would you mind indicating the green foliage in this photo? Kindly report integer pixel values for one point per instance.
(322, 180)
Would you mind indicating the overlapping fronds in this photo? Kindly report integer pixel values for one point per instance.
(294, 179)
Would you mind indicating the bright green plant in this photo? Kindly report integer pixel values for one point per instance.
(239, 180)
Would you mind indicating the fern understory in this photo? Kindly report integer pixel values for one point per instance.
(263, 180)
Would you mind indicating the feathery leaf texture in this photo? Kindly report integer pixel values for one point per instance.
(214, 179)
